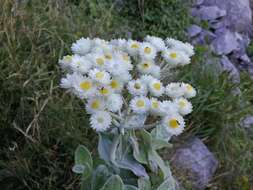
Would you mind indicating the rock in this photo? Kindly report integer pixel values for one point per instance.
(196, 162)
(248, 121)
(208, 12)
(193, 30)
(225, 42)
(198, 2)
(239, 14)
(205, 37)
(216, 24)
(245, 58)
(228, 66)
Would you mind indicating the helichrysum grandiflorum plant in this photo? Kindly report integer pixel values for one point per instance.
(132, 108)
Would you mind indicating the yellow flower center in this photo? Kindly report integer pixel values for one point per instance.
(147, 50)
(155, 104)
(182, 103)
(104, 91)
(108, 56)
(114, 84)
(137, 86)
(145, 65)
(135, 46)
(173, 123)
(100, 61)
(173, 55)
(157, 86)
(99, 75)
(67, 58)
(100, 120)
(95, 104)
(140, 103)
(78, 62)
(189, 87)
(86, 85)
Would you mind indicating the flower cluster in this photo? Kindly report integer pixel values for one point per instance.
(121, 77)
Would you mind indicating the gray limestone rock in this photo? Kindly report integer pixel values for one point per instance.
(196, 162)
(209, 12)
(248, 121)
(225, 43)
(228, 66)
(239, 14)
(194, 30)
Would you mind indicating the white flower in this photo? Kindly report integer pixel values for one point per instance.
(114, 102)
(95, 104)
(168, 107)
(145, 66)
(100, 76)
(173, 57)
(137, 88)
(100, 121)
(184, 106)
(156, 88)
(115, 67)
(83, 86)
(123, 77)
(185, 59)
(124, 60)
(96, 50)
(67, 82)
(147, 51)
(80, 64)
(82, 46)
(106, 74)
(174, 90)
(140, 104)
(104, 90)
(174, 124)
(133, 47)
(116, 85)
(65, 61)
(156, 72)
(185, 47)
(155, 107)
(119, 43)
(189, 91)
(145, 79)
(99, 42)
(157, 42)
(98, 60)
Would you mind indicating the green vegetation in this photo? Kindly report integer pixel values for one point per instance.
(41, 125)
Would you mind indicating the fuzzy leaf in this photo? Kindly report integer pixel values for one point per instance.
(78, 168)
(130, 187)
(139, 151)
(168, 184)
(127, 162)
(83, 156)
(160, 133)
(99, 177)
(83, 162)
(155, 158)
(160, 143)
(144, 184)
(113, 183)
(104, 147)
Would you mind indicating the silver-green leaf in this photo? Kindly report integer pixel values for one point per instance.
(113, 183)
